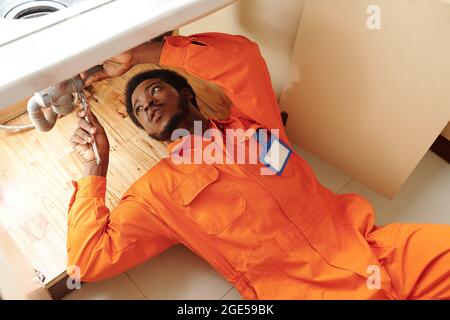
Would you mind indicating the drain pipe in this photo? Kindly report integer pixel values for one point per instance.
(46, 105)
(16, 128)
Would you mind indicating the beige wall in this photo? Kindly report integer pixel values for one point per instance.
(370, 102)
(271, 23)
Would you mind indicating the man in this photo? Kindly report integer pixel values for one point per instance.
(273, 236)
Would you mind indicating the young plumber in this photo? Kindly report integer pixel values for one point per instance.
(273, 236)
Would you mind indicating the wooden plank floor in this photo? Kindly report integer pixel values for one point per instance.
(36, 168)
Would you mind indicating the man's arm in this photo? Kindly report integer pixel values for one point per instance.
(233, 62)
(100, 243)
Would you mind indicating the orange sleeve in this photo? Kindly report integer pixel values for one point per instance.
(233, 62)
(103, 243)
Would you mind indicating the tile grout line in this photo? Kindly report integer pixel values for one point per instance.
(137, 287)
(346, 184)
(228, 291)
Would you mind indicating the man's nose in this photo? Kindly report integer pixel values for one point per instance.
(148, 104)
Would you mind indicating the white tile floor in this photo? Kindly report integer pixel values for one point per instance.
(180, 274)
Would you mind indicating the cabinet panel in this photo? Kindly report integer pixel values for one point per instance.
(370, 102)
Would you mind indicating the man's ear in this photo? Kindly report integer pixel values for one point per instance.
(187, 93)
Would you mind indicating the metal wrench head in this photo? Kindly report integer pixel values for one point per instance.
(83, 99)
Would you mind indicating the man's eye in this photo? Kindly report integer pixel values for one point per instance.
(155, 90)
(138, 109)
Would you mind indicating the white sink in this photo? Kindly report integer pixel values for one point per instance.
(40, 52)
(19, 18)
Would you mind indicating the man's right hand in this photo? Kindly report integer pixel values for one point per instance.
(114, 67)
(82, 140)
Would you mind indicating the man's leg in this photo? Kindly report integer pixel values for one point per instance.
(417, 258)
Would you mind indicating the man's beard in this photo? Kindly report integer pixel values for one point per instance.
(174, 122)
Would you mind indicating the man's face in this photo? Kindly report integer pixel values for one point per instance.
(159, 108)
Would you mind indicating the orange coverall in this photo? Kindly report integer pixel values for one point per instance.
(272, 236)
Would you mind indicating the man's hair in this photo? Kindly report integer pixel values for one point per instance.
(172, 78)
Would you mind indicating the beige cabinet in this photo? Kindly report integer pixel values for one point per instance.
(370, 101)
(17, 280)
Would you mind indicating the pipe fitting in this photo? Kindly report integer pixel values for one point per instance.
(44, 107)
(43, 118)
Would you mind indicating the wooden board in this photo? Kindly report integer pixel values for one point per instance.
(13, 111)
(36, 169)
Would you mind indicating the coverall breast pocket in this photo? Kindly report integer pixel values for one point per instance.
(211, 202)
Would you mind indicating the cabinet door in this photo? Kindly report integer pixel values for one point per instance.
(17, 280)
(370, 101)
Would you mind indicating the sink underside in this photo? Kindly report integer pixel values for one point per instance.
(23, 17)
